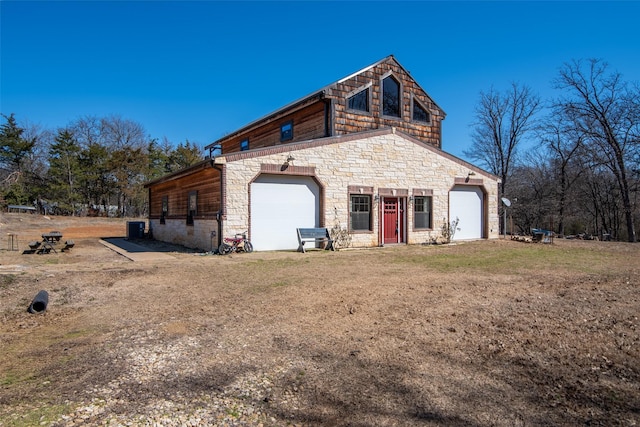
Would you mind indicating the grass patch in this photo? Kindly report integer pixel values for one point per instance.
(508, 258)
(277, 264)
(12, 377)
(78, 333)
(43, 415)
(7, 280)
(280, 284)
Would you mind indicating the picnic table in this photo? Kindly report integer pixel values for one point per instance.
(49, 240)
(52, 237)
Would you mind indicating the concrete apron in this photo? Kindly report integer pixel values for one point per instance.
(134, 251)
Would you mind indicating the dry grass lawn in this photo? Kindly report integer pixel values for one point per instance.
(490, 333)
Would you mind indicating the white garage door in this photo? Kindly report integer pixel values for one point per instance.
(279, 205)
(465, 204)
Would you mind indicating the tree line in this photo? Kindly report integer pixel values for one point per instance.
(93, 166)
(581, 175)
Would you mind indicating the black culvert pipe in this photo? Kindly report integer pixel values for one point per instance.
(39, 303)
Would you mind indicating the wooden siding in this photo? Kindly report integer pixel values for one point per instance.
(311, 121)
(349, 121)
(205, 181)
(308, 123)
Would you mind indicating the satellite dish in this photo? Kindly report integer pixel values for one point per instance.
(506, 202)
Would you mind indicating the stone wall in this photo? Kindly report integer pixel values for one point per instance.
(389, 161)
(176, 231)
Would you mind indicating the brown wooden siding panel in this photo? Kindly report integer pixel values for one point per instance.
(205, 181)
(308, 123)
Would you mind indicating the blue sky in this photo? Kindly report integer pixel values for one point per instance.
(198, 70)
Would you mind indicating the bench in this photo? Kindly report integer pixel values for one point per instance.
(33, 247)
(68, 245)
(315, 235)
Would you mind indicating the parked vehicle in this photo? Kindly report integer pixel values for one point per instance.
(239, 243)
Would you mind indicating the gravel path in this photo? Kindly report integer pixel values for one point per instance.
(150, 366)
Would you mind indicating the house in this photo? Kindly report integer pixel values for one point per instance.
(362, 155)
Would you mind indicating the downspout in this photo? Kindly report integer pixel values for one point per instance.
(149, 212)
(220, 212)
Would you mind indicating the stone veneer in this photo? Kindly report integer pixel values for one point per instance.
(386, 160)
(178, 232)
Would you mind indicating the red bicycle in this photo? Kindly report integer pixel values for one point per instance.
(239, 243)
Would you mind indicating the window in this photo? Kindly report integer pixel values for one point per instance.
(359, 101)
(244, 145)
(420, 114)
(390, 97)
(192, 206)
(422, 212)
(165, 209)
(360, 212)
(286, 131)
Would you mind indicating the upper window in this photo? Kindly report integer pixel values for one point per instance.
(390, 97)
(360, 212)
(244, 145)
(420, 114)
(286, 131)
(422, 212)
(359, 101)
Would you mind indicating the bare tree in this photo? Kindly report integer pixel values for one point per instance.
(605, 110)
(502, 122)
(119, 133)
(533, 182)
(564, 145)
(88, 131)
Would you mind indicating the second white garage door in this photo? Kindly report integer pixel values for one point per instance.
(465, 204)
(279, 205)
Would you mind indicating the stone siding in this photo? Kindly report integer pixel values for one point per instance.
(176, 231)
(389, 161)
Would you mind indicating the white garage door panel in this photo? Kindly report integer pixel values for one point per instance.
(279, 205)
(465, 203)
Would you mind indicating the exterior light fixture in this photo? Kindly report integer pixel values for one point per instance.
(286, 163)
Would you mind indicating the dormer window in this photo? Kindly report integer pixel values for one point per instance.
(286, 131)
(420, 114)
(359, 101)
(390, 97)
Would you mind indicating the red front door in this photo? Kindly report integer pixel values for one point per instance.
(393, 222)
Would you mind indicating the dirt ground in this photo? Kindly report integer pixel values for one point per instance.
(492, 333)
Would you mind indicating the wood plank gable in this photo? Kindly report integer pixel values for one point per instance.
(370, 79)
(325, 112)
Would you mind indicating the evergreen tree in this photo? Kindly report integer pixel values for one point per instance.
(14, 147)
(185, 155)
(128, 168)
(158, 159)
(96, 181)
(64, 171)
